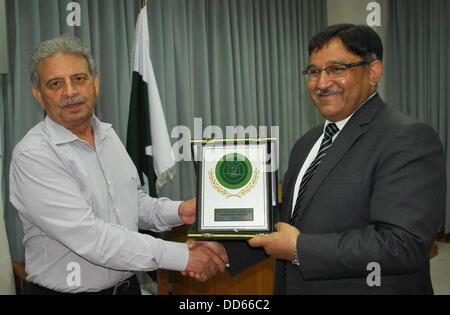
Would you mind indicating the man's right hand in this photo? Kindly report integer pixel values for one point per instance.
(203, 263)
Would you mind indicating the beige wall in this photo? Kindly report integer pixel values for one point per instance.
(355, 11)
(3, 47)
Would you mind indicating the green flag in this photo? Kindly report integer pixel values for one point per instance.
(148, 141)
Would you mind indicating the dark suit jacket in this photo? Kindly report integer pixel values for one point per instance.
(378, 196)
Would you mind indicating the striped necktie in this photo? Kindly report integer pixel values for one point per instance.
(330, 131)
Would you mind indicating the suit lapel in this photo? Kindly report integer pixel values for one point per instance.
(298, 158)
(352, 131)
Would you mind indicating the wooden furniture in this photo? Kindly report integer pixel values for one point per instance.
(434, 250)
(20, 277)
(257, 280)
(444, 238)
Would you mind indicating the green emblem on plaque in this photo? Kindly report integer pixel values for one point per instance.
(234, 171)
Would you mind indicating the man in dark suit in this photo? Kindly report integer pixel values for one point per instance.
(363, 195)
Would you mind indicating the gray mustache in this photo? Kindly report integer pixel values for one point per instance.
(73, 100)
(329, 90)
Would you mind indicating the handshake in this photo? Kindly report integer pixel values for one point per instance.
(205, 259)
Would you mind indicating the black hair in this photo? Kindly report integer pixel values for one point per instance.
(360, 40)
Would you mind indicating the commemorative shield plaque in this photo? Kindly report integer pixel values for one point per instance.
(236, 188)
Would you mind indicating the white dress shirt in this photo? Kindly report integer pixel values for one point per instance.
(315, 150)
(81, 209)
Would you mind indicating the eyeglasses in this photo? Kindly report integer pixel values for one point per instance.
(336, 71)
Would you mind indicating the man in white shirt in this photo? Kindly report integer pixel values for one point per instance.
(78, 193)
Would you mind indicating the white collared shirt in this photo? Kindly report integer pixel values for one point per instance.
(315, 150)
(81, 209)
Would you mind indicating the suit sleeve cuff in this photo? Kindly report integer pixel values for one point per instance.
(317, 256)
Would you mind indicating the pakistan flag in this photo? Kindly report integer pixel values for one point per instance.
(148, 141)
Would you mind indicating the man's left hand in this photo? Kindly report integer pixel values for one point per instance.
(280, 244)
(187, 211)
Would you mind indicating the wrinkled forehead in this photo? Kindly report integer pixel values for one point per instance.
(62, 62)
(61, 66)
(332, 52)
